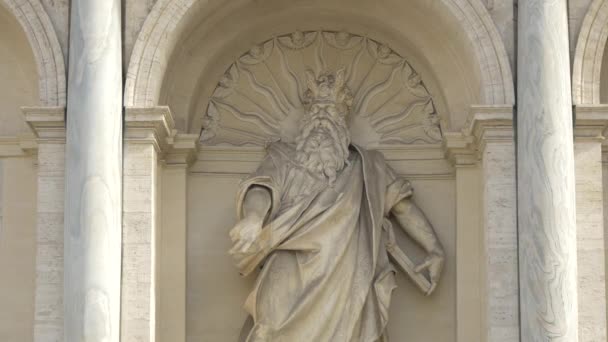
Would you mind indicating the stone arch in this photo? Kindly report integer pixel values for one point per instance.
(589, 54)
(171, 20)
(46, 49)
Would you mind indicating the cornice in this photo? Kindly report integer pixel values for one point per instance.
(47, 123)
(485, 124)
(149, 125)
(591, 122)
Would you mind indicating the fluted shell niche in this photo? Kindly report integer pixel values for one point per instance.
(259, 98)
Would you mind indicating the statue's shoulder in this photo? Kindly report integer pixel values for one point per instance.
(370, 155)
(280, 150)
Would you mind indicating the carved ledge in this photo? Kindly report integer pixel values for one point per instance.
(485, 124)
(149, 125)
(47, 123)
(182, 150)
(460, 149)
(591, 122)
(490, 124)
(18, 146)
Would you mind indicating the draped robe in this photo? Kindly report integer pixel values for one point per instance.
(325, 271)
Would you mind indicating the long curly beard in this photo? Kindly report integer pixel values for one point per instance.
(322, 145)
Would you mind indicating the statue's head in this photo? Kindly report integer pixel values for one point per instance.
(328, 92)
(324, 139)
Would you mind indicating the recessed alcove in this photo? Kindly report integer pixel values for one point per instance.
(187, 48)
(18, 87)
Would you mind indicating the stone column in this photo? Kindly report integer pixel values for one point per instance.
(545, 175)
(93, 173)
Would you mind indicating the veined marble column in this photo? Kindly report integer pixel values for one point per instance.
(545, 174)
(92, 255)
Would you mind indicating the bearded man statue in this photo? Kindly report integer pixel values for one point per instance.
(314, 217)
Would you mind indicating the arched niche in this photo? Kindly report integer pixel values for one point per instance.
(184, 44)
(590, 65)
(37, 27)
(27, 78)
(186, 47)
(18, 75)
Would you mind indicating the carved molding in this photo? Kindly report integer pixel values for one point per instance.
(182, 150)
(260, 97)
(47, 123)
(591, 122)
(148, 125)
(155, 125)
(485, 124)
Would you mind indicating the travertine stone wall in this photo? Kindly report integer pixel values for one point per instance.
(500, 230)
(590, 242)
(139, 243)
(48, 316)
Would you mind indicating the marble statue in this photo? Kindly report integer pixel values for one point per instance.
(316, 218)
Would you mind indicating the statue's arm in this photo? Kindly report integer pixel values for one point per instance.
(256, 205)
(413, 221)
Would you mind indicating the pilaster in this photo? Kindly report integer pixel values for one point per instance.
(181, 153)
(492, 127)
(590, 126)
(48, 126)
(484, 156)
(146, 132)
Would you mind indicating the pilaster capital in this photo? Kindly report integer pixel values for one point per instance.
(149, 125)
(47, 123)
(490, 124)
(182, 150)
(591, 123)
(485, 124)
(460, 149)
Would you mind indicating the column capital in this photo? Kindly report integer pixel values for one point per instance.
(47, 123)
(591, 122)
(149, 125)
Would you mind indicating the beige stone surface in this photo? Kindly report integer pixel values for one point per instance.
(17, 249)
(48, 316)
(590, 241)
(18, 75)
(172, 255)
(139, 243)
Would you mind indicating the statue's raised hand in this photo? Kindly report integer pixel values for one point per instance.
(434, 264)
(245, 234)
